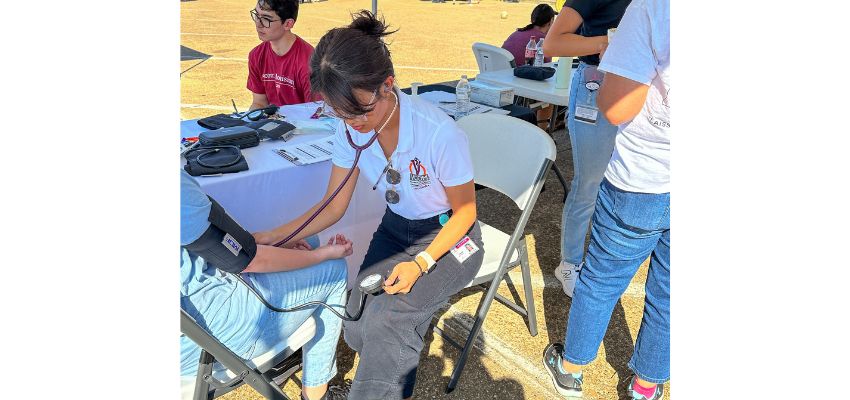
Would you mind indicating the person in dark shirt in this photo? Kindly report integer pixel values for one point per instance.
(581, 31)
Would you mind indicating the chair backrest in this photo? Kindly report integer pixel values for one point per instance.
(492, 58)
(508, 154)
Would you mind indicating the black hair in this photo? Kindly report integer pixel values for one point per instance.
(541, 15)
(285, 9)
(353, 57)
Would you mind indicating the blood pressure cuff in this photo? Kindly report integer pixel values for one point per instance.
(224, 245)
(214, 160)
(220, 121)
(534, 73)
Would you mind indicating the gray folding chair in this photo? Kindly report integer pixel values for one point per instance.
(512, 157)
(264, 373)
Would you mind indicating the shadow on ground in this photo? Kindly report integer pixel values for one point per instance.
(435, 366)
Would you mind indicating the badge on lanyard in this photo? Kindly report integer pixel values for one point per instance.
(587, 115)
(464, 249)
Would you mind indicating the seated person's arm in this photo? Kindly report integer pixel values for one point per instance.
(274, 259)
(259, 101)
(227, 246)
(464, 213)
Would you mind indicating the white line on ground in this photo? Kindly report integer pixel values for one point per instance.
(215, 34)
(206, 106)
(501, 352)
(216, 20)
(549, 281)
(217, 58)
(253, 35)
(229, 59)
(248, 20)
(435, 68)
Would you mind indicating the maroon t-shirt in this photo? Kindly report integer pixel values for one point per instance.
(283, 79)
(516, 42)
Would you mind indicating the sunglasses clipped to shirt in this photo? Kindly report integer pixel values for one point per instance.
(393, 178)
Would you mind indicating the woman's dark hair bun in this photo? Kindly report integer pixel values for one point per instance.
(367, 23)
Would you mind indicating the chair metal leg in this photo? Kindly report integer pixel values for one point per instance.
(483, 308)
(202, 388)
(461, 362)
(561, 178)
(553, 120)
(529, 293)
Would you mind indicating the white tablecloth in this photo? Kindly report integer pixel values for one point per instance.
(274, 191)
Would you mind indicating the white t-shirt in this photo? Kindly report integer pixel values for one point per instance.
(432, 154)
(640, 51)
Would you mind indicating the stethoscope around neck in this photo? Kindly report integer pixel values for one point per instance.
(358, 150)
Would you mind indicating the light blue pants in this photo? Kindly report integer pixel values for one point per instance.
(250, 329)
(592, 146)
(627, 228)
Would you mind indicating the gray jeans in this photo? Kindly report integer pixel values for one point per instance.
(390, 334)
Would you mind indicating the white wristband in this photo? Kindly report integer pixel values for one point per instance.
(428, 259)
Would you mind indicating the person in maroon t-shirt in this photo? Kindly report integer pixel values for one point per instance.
(278, 68)
(541, 20)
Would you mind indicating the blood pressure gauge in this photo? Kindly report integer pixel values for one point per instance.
(371, 284)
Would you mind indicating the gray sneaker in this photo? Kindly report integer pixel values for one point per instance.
(565, 384)
(659, 392)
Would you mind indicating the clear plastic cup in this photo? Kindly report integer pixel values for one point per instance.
(414, 88)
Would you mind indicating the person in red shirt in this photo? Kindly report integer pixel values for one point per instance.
(279, 67)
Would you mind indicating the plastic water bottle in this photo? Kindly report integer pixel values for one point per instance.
(462, 91)
(530, 50)
(538, 56)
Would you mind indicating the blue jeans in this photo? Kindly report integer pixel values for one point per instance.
(592, 146)
(627, 227)
(236, 317)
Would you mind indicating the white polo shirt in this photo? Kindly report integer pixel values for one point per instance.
(432, 154)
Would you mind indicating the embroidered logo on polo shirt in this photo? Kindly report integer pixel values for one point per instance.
(418, 175)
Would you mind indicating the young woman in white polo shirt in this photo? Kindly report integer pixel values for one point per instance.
(421, 162)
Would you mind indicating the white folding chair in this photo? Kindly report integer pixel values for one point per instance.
(510, 156)
(492, 58)
(264, 373)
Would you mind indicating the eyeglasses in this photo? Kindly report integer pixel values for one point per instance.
(393, 178)
(260, 113)
(256, 114)
(329, 111)
(264, 21)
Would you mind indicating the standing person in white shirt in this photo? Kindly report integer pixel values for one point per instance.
(632, 217)
(421, 163)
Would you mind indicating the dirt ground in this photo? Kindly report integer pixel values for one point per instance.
(433, 45)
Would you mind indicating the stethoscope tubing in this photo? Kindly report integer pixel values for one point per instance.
(358, 149)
